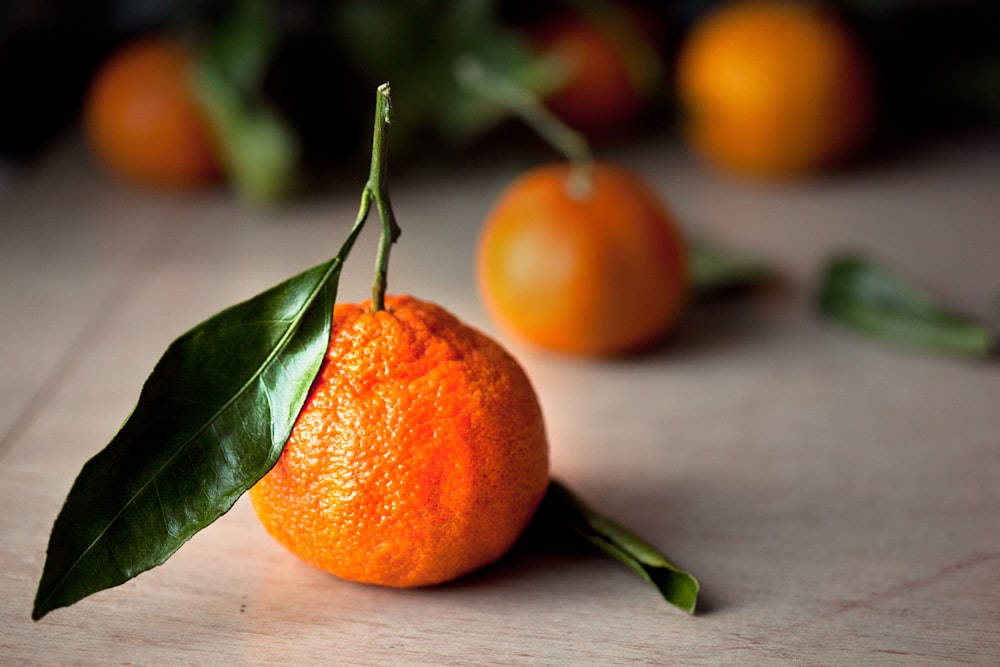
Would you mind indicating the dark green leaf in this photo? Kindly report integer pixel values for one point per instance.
(882, 303)
(212, 419)
(259, 148)
(716, 270)
(561, 510)
(382, 38)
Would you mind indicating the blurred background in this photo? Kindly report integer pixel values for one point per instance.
(285, 88)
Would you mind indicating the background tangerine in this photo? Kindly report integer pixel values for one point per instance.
(142, 120)
(599, 95)
(599, 274)
(774, 88)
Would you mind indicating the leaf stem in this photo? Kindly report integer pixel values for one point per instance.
(471, 73)
(377, 190)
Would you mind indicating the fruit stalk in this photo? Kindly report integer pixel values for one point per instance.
(562, 138)
(377, 190)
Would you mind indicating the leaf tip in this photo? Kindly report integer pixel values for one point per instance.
(40, 607)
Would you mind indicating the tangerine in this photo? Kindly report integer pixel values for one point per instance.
(598, 94)
(596, 273)
(773, 88)
(143, 121)
(420, 454)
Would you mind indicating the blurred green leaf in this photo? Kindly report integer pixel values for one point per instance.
(884, 304)
(416, 45)
(260, 150)
(717, 270)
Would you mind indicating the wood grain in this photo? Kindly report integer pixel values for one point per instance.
(838, 499)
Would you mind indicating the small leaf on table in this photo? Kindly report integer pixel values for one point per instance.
(563, 511)
(882, 303)
(716, 270)
(211, 420)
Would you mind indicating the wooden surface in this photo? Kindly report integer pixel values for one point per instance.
(839, 500)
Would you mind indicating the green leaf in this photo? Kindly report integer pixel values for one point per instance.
(561, 510)
(716, 270)
(879, 302)
(242, 44)
(382, 37)
(211, 420)
(260, 150)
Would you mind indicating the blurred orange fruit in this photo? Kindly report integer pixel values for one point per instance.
(595, 273)
(774, 88)
(142, 120)
(601, 92)
(419, 456)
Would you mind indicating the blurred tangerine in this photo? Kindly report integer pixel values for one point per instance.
(597, 272)
(775, 88)
(142, 120)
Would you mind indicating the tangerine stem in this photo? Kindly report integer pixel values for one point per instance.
(471, 73)
(377, 189)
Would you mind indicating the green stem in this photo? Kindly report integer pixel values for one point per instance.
(377, 189)
(470, 73)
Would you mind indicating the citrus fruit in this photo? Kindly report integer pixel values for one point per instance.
(600, 91)
(772, 88)
(419, 456)
(142, 120)
(596, 273)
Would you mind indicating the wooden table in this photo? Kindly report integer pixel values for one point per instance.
(838, 499)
